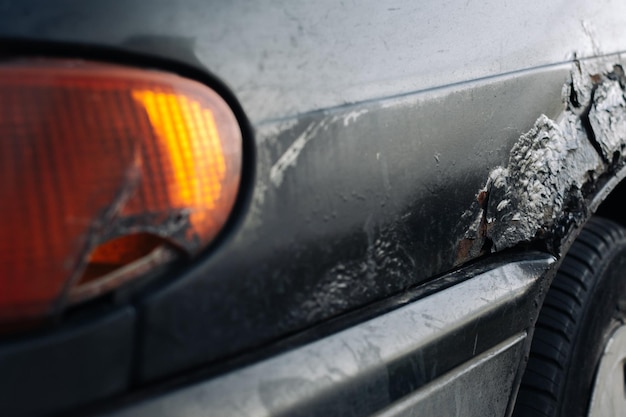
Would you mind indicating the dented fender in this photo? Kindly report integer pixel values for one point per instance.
(555, 169)
(388, 146)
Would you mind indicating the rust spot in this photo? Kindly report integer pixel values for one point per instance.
(596, 78)
(482, 199)
(472, 247)
(463, 251)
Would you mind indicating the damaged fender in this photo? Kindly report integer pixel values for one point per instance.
(553, 170)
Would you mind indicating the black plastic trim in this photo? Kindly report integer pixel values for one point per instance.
(67, 368)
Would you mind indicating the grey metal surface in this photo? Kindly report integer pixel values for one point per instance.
(608, 396)
(284, 57)
(352, 373)
(375, 126)
(364, 201)
(478, 388)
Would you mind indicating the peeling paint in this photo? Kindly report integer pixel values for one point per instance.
(544, 189)
(607, 116)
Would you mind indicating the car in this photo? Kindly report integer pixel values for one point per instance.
(321, 208)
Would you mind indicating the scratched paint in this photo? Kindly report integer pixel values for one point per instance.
(290, 157)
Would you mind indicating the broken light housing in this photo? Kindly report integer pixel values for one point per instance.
(105, 172)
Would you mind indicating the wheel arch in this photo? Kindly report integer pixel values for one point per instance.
(612, 201)
(577, 163)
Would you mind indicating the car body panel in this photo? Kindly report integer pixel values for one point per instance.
(370, 128)
(368, 367)
(457, 393)
(358, 216)
(284, 58)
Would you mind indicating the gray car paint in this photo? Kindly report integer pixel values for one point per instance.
(367, 212)
(284, 58)
(375, 125)
(331, 376)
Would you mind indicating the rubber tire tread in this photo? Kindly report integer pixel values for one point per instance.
(555, 335)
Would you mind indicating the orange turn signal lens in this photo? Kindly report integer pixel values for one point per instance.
(105, 171)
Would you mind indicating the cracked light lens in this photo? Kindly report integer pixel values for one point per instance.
(105, 173)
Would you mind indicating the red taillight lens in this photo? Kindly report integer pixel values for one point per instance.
(105, 171)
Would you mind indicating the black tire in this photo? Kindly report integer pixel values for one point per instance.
(584, 305)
